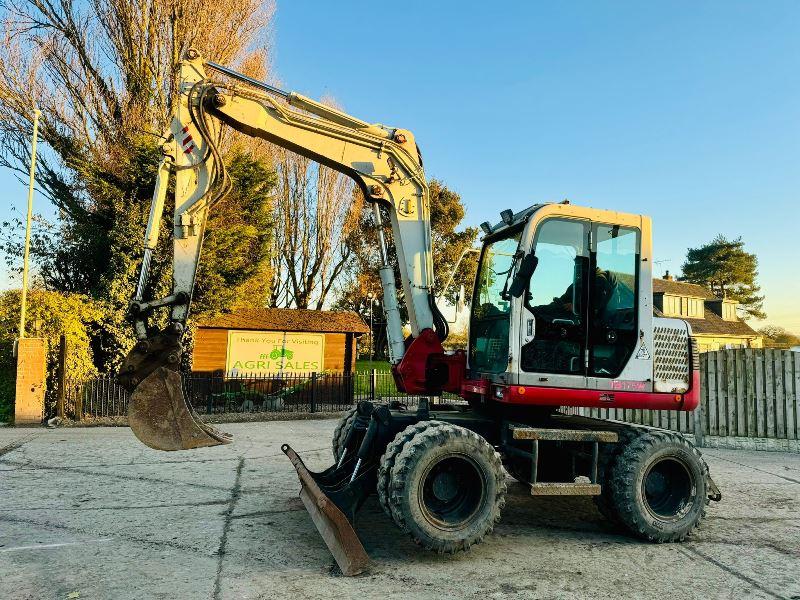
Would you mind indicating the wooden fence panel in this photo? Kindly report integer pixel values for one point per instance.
(711, 407)
(750, 396)
(780, 411)
(796, 368)
(769, 392)
(789, 395)
(743, 392)
(760, 386)
(739, 385)
(704, 393)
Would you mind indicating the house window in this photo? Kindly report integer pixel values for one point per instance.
(729, 311)
(695, 308)
(672, 306)
(683, 306)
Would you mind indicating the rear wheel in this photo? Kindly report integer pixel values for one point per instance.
(659, 487)
(340, 433)
(606, 459)
(447, 488)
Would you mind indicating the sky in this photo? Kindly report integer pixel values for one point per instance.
(688, 112)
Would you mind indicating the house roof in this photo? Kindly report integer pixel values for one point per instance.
(287, 319)
(711, 323)
(680, 288)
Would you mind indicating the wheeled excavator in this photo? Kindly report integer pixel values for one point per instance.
(561, 316)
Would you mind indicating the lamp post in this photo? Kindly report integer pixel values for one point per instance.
(371, 298)
(24, 298)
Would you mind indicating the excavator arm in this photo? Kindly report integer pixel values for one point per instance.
(385, 163)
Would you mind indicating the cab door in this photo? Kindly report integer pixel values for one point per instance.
(553, 317)
(613, 301)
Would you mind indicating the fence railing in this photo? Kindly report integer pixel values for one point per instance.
(210, 394)
(745, 393)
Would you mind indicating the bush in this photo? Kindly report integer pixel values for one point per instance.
(49, 315)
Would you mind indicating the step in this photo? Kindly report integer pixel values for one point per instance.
(565, 489)
(563, 435)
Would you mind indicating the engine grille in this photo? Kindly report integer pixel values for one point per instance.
(671, 360)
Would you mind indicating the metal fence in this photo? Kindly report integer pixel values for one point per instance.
(210, 394)
(753, 393)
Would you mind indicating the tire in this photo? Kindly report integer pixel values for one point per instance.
(658, 485)
(340, 433)
(390, 455)
(447, 488)
(605, 461)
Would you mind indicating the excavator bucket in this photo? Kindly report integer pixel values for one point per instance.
(161, 418)
(324, 496)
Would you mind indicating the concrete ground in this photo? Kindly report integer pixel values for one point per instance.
(91, 513)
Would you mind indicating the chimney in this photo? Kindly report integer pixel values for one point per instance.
(668, 277)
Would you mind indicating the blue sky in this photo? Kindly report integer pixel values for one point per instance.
(685, 111)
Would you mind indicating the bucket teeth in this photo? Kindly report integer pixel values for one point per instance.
(161, 418)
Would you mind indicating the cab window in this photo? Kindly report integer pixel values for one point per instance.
(613, 300)
(491, 305)
(555, 299)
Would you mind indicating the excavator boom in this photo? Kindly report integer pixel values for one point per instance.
(384, 162)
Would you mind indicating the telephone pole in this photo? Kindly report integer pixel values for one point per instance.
(25, 257)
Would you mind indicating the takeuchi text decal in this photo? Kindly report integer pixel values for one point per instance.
(252, 352)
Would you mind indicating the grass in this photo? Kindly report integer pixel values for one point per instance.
(384, 382)
(368, 365)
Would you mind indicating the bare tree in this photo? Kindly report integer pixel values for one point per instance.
(101, 72)
(315, 211)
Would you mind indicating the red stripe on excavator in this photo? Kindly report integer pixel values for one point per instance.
(552, 396)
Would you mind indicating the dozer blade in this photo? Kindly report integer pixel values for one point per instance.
(330, 521)
(161, 418)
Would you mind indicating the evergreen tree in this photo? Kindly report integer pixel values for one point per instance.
(725, 268)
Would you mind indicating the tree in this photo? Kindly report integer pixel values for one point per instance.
(235, 269)
(725, 268)
(779, 337)
(447, 212)
(102, 73)
(54, 314)
(315, 213)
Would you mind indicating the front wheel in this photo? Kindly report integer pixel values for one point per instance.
(659, 487)
(341, 431)
(447, 488)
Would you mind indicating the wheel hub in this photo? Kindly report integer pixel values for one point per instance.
(452, 491)
(668, 489)
(445, 486)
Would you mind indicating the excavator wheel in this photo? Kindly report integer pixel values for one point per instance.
(606, 458)
(447, 488)
(390, 456)
(659, 486)
(340, 433)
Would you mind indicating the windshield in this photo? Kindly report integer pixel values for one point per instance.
(491, 305)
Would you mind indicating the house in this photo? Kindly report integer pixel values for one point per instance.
(255, 341)
(714, 321)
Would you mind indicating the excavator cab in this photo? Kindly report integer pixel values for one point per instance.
(580, 316)
(562, 315)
